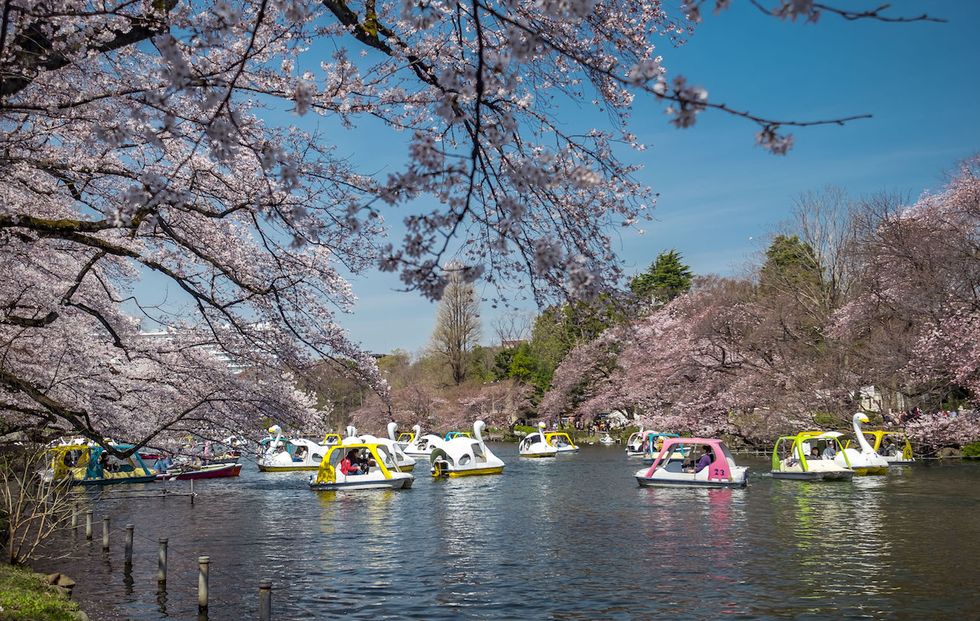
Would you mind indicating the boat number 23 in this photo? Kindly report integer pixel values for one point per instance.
(717, 473)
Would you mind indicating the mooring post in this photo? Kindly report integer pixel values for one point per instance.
(105, 534)
(162, 562)
(74, 517)
(88, 525)
(202, 582)
(265, 600)
(129, 544)
(192, 491)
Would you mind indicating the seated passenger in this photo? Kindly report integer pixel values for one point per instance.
(300, 453)
(814, 453)
(349, 465)
(704, 460)
(829, 452)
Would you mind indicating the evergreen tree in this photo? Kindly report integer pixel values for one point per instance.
(667, 278)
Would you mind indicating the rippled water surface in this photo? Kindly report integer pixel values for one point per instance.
(567, 538)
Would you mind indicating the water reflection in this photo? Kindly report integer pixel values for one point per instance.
(573, 538)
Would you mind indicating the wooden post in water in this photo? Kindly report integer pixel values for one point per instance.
(265, 600)
(105, 534)
(192, 492)
(88, 525)
(74, 517)
(162, 562)
(129, 544)
(202, 582)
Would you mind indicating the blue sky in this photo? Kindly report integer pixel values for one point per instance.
(720, 195)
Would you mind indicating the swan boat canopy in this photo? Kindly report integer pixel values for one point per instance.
(457, 434)
(332, 439)
(536, 445)
(894, 446)
(561, 441)
(864, 461)
(463, 456)
(719, 470)
(84, 463)
(654, 441)
(378, 470)
(277, 454)
(792, 457)
(404, 462)
(421, 446)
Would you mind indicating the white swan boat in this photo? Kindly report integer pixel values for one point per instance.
(536, 445)
(376, 469)
(403, 439)
(894, 446)
(422, 445)
(865, 461)
(606, 439)
(464, 456)
(404, 462)
(278, 454)
(634, 445)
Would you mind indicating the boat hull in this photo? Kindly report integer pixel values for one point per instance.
(266, 468)
(864, 471)
(117, 481)
(470, 473)
(405, 483)
(651, 482)
(228, 470)
(845, 475)
(539, 455)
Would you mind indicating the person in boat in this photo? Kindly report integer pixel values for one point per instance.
(829, 452)
(350, 464)
(814, 453)
(887, 446)
(703, 460)
(163, 464)
(300, 453)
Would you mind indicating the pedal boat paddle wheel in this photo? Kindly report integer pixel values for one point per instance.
(864, 461)
(669, 471)
(277, 454)
(535, 445)
(791, 457)
(83, 463)
(561, 441)
(381, 470)
(463, 456)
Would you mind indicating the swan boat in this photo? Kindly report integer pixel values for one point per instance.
(536, 445)
(654, 441)
(404, 438)
(85, 463)
(894, 446)
(404, 462)
(799, 465)
(422, 445)
(561, 441)
(669, 471)
(634, 445)
(606, 439)
(382, 471)
(865, 461)
(277, 454)
(463, 456)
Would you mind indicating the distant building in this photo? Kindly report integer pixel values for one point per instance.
(512, 343)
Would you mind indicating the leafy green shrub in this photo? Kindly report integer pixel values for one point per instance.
(971, 450)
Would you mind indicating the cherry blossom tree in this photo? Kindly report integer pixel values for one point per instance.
(148, 138)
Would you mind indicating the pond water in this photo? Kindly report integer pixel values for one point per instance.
(566, 538)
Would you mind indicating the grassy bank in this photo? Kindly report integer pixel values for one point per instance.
(25, 595)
